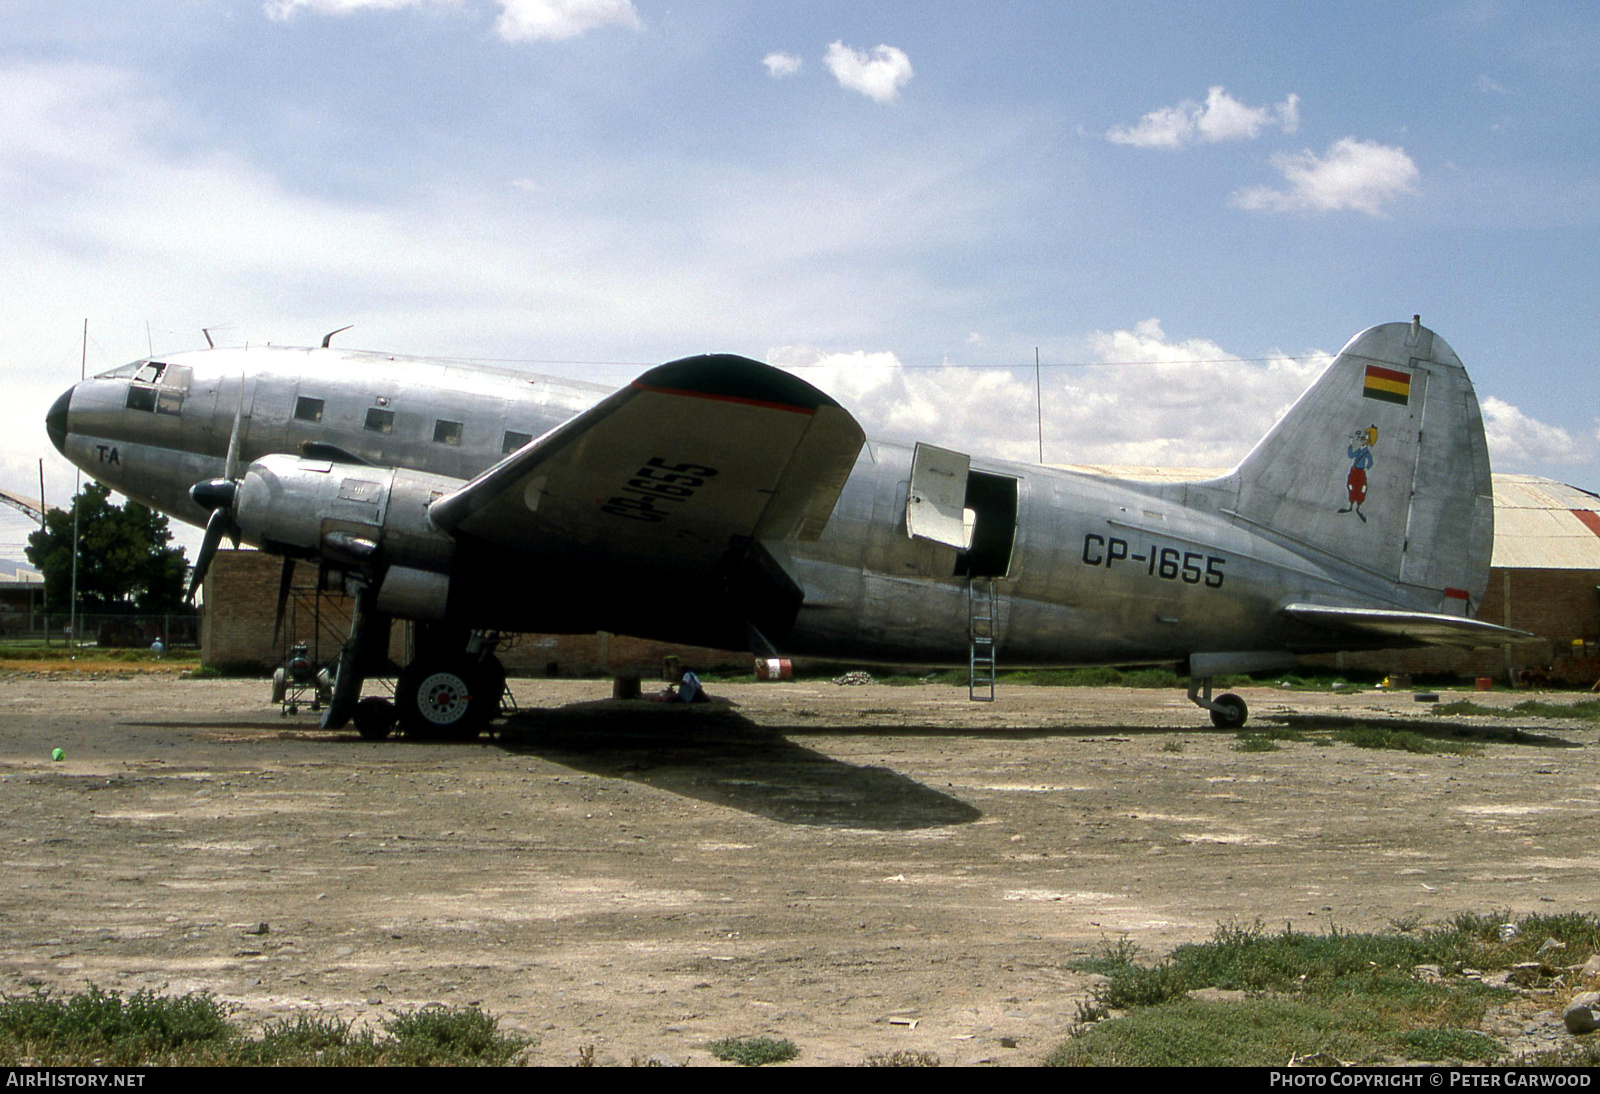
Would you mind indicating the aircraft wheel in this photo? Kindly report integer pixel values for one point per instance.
(280, 684)
(1236, 713)
(374, 718)
(443, 699)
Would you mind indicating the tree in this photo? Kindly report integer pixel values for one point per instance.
(125, 560)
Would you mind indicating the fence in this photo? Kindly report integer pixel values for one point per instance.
(108, 631)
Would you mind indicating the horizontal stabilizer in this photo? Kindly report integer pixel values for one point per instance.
(1407, 628)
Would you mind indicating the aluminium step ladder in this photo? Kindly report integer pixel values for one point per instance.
(981, 613)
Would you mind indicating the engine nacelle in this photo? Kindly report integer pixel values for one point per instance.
(369, 518)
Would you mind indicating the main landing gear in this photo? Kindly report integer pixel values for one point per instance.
(1228, 711)
(450, 696)
(450, 690)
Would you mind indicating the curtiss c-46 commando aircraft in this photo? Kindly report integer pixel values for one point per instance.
(717, 501)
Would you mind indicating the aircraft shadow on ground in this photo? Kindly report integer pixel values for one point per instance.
(283, 725)
(717, 755)
(1438, 728)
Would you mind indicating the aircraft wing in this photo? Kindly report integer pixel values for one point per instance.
(669, 475)
(1407, 628)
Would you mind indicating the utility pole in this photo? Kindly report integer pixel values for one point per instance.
(44, 587)
(77, 490)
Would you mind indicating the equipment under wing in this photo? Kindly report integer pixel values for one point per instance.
(1406, 628)
(669, 474)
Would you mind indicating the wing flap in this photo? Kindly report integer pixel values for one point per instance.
(666, 473)
(1407, 628)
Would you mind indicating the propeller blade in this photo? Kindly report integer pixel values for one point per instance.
(208, 549)
(285, 578)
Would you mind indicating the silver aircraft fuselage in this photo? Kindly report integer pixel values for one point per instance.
(1096, 570)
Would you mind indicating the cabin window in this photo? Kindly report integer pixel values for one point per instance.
(514, 441)
(307, 409)
(446, 432)
(380, 421)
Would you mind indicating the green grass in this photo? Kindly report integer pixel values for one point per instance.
(1350, 995)
(1450, 1044)
(107, 1028)
(903, 1058)
(1587, 709)
(1404, 740)
(753, 1051)
(1256, 742)
(58, 652)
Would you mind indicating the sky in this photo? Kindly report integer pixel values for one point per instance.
(1182, 210)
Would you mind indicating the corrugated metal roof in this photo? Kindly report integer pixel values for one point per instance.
(1537, 525)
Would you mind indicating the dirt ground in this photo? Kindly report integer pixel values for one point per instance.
(859, 869)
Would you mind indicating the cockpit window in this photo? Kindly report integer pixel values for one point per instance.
(155, 385)
(121, 371)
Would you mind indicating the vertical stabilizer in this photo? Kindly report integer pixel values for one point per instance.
(1382, 463)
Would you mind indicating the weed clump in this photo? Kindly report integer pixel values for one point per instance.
(109, 1028)
(902, 1058)
(451, 1035)
(1405, 740)
(1350, 995)
(105, 1028)
(753, 1051)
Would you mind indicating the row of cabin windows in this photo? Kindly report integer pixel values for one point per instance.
(307, 409)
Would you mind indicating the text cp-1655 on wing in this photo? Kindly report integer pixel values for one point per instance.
(657, 481)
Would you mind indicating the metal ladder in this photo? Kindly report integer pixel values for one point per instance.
(980, 632)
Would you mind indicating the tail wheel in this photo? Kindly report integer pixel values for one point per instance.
(1232, 715)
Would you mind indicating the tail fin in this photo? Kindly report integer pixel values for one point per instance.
(1382, 463)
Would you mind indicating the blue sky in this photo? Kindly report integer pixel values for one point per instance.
(896, 200)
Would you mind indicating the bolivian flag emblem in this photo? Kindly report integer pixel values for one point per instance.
(1390, 385)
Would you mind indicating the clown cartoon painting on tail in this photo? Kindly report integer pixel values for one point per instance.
(1359, 451)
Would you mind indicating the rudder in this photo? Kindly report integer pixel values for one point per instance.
(1383, 464)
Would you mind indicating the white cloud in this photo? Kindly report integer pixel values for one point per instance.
(1155, 405)
(286, 9)
(1491, 87)
(559, 20)
(1220, 118)
(1515, 439)
(780, 65)
(519, 20)
(120, 205)
(1363, 176)
(879, 77)
(1167, 127)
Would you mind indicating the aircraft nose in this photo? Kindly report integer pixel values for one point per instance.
(55, 422)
